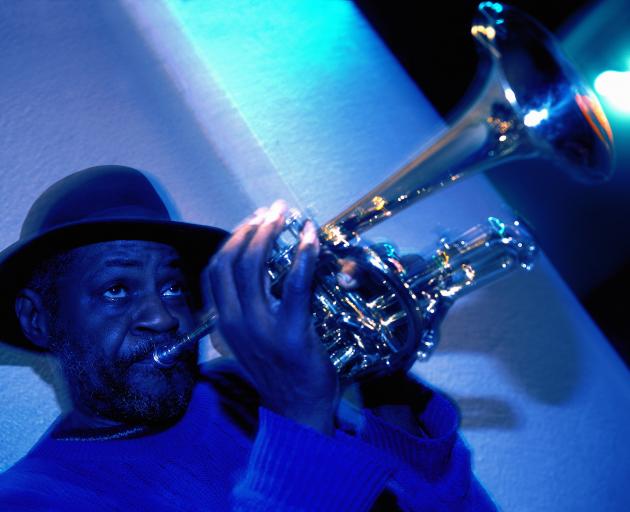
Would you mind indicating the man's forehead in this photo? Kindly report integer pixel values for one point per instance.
(126, 253)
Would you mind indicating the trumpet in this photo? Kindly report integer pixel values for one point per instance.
(532, 105)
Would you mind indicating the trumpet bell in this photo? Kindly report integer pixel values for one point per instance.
(562, 116)
(532, 105)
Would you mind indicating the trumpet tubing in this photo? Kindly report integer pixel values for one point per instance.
(532, 105)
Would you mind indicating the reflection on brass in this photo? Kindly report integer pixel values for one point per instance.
(481, 30)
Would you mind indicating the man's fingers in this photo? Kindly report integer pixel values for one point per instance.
(238, 276)
(253, 219)
(297, 292)
(241, 235)
(250, 271)
(224, 288)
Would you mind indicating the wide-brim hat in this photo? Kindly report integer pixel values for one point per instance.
(98, 204)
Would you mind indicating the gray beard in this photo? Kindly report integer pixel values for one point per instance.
(124, 392)
(124, 402)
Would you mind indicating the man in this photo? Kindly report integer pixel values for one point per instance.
(101, 275)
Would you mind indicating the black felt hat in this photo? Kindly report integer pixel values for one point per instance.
(98, 204)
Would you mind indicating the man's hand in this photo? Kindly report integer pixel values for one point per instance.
(274, 340)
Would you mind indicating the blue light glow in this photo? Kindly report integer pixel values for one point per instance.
(535, 117)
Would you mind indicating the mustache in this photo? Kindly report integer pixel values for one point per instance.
(144, 347)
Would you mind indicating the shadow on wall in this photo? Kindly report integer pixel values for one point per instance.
(486, 413)
(541, 356)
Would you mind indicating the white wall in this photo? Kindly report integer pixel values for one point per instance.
(243, 97)
(79, 88)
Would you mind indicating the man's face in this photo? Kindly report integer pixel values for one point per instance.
(116, 301)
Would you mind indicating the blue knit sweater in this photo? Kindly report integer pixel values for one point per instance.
(228, 454)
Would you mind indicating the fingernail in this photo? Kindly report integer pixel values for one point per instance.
(275, 211)
(309, 234)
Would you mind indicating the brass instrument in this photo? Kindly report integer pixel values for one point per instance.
(532, 105)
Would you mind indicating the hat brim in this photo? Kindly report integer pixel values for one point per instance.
(196, 244)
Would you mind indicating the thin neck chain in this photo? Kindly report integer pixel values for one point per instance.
(105, 434)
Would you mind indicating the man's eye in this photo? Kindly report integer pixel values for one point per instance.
(115, 292)
(173, 290)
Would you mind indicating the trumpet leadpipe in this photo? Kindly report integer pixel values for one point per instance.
(166, 356)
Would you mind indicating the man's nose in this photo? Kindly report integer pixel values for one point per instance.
(153, 317)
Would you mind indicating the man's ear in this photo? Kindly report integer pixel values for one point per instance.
(33, 317)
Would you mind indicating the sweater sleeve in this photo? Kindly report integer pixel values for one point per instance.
(295, 468)
(432, 471)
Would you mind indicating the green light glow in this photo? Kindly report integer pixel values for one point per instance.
(240, 44)
(497, 225)
(495, 6)
(614, 88)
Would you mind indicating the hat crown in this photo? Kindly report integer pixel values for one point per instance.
(108, 192)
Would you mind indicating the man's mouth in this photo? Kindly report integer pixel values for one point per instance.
(143, 350)
(147, 361)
